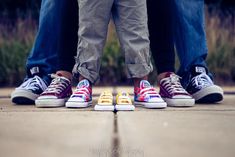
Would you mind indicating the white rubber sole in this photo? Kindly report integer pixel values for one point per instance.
(75, 104)
(124, 107)
(151, 105)
(50, 102)
(21, 96)
(180, 102)
(104, 107)
(210, 94)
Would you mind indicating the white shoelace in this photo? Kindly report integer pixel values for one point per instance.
(33, 84)
(149, 91)
(172, 84)
(57, 85)
(202, 81)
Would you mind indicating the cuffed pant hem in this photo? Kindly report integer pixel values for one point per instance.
(138, 70)
(92, 76)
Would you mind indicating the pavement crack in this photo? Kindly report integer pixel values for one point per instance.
(115, 139)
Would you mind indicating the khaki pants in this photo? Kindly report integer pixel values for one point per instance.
(130, 18)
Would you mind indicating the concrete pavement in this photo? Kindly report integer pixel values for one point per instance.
(200, 131)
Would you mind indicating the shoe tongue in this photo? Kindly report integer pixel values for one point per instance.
(168, 74)
(83, 83)
(34, 71)
(197, 70)
(144, 84)
(61, 76)
(123, 93)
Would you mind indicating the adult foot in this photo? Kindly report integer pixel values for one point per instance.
(28, 91)
(202, 88)
(173, 93)
(56, 93)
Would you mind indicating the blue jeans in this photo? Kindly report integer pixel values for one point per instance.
(45, 49)
(189, 35)
(56, 40)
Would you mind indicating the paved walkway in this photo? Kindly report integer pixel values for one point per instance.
(200, 131)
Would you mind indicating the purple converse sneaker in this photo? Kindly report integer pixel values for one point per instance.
(56, 94)
(173, 93)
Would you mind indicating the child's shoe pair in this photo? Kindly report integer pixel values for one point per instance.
(123, 102)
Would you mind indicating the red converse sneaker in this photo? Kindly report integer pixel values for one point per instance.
(147, 96)
(82, 96)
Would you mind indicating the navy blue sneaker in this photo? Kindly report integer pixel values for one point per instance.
(28, 91)
(202, 88)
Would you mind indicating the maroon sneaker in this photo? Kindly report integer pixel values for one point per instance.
(173, 93)
(56, 93)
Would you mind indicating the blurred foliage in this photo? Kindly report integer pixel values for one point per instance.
(16, 8)
(221, 44)
(113, 63)
(18, 26)
(15, 44)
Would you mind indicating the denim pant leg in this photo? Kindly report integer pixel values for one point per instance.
(130, 17)
(190, 36)
(94, 17)
(45, 48)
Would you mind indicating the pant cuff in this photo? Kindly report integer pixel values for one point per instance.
(92, 76)
(138, 70)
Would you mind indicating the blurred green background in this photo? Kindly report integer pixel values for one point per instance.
(18, 26)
